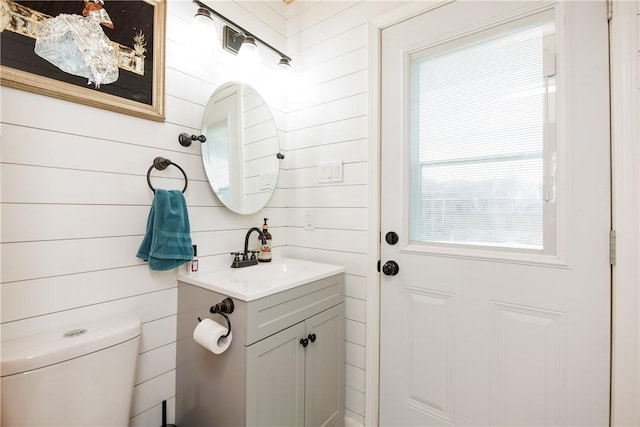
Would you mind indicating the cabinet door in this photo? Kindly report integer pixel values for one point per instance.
(275, 380)
(324, 373)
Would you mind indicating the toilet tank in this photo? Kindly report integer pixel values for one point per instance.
(77, 376)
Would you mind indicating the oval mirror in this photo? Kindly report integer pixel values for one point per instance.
(240, 153)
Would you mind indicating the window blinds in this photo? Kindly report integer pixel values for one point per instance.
(477, 129)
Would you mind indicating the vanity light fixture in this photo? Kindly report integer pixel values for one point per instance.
(237, 39)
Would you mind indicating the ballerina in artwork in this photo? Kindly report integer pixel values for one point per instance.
(78, 45)
(5, 14)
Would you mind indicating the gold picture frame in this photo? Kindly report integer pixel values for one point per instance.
(140, 89)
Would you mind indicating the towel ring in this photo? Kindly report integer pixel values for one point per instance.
(161, 163)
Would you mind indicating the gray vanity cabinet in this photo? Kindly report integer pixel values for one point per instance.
(267, 377)
(295, 380)
(324, 379)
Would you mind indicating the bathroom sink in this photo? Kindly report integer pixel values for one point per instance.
(258, 281)
(268, 272)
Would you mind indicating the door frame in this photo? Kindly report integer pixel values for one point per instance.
(625, 170)
(625, 177)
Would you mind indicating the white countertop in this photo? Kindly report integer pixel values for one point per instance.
(258, 281)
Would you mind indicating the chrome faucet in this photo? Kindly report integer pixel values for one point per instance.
(246, 259)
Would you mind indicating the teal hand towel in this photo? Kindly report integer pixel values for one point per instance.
(167, 242)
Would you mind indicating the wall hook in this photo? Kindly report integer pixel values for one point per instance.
(185, 139)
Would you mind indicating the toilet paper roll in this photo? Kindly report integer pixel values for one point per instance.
(209, 334)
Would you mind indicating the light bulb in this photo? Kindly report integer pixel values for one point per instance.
(248, 62)
(284, 70)
(283, 80)
(284, 65)
(204, 33)
(248, 55)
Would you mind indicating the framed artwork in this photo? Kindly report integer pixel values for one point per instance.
(103, 53)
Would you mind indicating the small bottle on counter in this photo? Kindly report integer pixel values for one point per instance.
(192, 266)
(265, 250)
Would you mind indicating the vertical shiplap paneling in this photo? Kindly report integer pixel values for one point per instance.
(329, 120)
(75, 203)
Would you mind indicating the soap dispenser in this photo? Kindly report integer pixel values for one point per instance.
(265, 250)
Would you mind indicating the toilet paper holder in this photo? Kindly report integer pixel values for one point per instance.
(223, 308)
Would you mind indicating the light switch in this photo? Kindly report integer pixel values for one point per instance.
(336, 172)
(330, 172)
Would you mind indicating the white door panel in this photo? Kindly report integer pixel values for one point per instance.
(492, 336)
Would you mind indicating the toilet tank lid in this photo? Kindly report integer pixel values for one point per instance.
(61, 344)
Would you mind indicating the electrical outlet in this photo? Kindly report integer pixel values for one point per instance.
(309, 219)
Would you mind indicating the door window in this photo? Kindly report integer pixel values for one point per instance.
(482, 139)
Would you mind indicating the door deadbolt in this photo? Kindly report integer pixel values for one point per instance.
(390, 268)
(391, 237)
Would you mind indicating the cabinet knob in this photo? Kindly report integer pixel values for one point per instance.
(312, 337)
(304, 342)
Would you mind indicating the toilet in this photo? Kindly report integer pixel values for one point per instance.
(78, 376)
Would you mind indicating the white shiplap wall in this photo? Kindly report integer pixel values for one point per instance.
(75, 203)
(329, 120)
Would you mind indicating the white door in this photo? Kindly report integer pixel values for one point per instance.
(495, 177)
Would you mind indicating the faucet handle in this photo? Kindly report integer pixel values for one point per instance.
(253, 254)
(236, 256)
